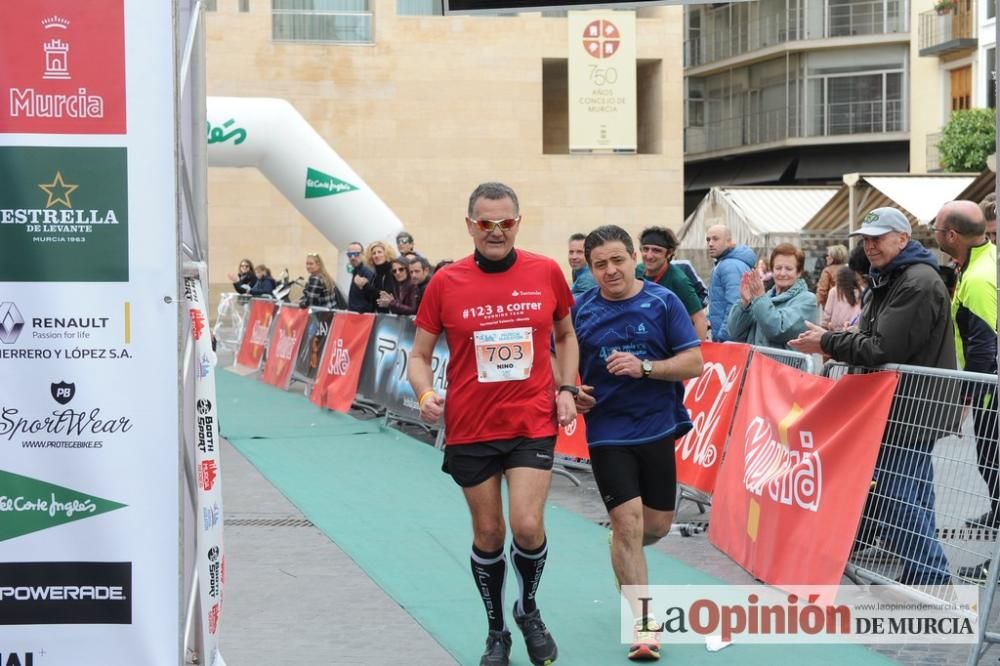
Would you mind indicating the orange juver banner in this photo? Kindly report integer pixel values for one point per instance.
(797, 470)
(288, 332)
(255, 334)
(711, 401)
(340, 368)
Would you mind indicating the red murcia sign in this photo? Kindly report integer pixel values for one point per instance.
(63, 67)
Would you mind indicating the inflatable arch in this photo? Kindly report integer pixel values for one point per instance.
(270, 135)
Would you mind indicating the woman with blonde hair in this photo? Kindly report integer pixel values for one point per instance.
(379, 256)
(319, 290)
(836, 256)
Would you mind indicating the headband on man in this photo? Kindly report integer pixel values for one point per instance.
(657, 238)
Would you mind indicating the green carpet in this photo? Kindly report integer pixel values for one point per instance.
(381, 497)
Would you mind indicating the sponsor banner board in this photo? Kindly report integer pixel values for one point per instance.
(288, 329)
(711, 401)
(340, 369)
(791, 488)
(90, 306)
(310, 353)
(256, 333)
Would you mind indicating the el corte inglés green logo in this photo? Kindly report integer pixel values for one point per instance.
(30, 505)
(319, 184)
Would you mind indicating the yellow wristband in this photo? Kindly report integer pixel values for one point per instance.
(423, 398)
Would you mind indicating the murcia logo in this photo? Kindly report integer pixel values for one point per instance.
(63, 392)
(66, 72)
(11, 323)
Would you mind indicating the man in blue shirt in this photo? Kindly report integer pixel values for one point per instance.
(637, 345)
(582, 279)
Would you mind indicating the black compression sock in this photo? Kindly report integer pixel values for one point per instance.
(488, 570)
(528, 564)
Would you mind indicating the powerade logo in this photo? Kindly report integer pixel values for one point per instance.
(319, 184)
(65, 593)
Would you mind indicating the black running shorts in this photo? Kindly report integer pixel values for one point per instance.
(471, 464)
(623, 472)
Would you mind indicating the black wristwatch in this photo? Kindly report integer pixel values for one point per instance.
(573, 390)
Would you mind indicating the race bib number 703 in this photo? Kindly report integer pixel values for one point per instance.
(504, 355)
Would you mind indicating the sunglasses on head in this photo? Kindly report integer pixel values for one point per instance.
(489, 225)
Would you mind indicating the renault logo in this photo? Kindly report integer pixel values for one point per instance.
(11, 323)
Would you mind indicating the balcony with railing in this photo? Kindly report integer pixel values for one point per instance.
(776, 125)
(750, 36)
(850, 19)
(948, 33)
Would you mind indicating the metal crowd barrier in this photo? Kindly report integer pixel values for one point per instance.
(230, 319)
(931, 517)
(799, 361)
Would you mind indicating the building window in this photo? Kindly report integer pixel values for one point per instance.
(856, 104)
(340, 21)
(419, 8)
(211, 5)
(245, 6)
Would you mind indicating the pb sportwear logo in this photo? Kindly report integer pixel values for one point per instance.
(63, 392)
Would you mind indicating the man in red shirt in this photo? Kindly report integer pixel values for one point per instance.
(498, 309)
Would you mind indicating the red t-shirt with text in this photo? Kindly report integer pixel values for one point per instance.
(498, 327)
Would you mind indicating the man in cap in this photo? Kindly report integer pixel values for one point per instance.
(907, 320)
(657, 245)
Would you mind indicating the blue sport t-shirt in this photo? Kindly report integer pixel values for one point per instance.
(652, 325)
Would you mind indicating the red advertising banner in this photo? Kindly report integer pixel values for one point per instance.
(64, 67)
(711, 401)
(285, 341)
(799, 465)
(255, 334)
(572, 440)
(340, 368)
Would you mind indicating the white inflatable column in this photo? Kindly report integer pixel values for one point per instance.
(270, 135)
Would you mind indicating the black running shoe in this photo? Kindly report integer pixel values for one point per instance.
(497, 649)
(542, 649)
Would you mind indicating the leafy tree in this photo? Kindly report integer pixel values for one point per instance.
(967, 139)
